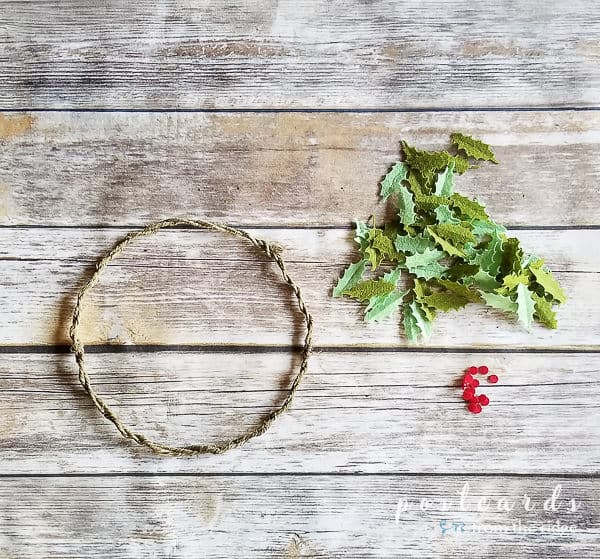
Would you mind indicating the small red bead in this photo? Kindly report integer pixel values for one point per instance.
(467, 381)
(483, 400)
(469, 394)
(472, 370)
(483, 370)
(475, 383)
(475, 407)
(493, 379)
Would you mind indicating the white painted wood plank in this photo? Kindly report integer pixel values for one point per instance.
(297, 516)
(318, 169)
(356, 412)
(194, 287)
(300, 53)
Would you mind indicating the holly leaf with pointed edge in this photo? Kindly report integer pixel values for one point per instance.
(491, 256)
(460, 271)
(382, 306)
(511, 281)
(352, 275)
(482, 228)
(525, 306)
(364, 290)
(544, 312)
(443, 214)
(445, 301)
(512, 257)
(362, 235)
(418, 243)
(429, 202)
(416, 324)
(406, 206)
(444, 185)
(428, 163)
(460, 289)
(472, 147)
(425, 264)
(483, 280)
(548, 282)
(469, 209)
(392, 182)
(499, 302)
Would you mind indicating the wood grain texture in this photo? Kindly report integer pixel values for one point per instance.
(286, 169)
(299, 53)
(375, 412)
(199, 288)
(293, 517)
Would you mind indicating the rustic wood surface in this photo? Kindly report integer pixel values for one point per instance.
(281, 117)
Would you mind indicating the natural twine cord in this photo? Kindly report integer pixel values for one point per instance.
(273, 251)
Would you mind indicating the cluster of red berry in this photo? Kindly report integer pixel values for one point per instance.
(476, 402)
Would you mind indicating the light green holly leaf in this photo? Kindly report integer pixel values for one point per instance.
(352, 275)
(362, 235)
(364, 290)
(525, 306)
(512, 280)
(549, 283)
(411, 330)
(469, 209)
(499, 302)
(425, 264)
(544, 312)
(444, 185)
(418, 243)
(483, 280)
(443, 214)
(482, 228)
(392, 182)
(490, 257)
(383, 306)
(421, 321)
(393, 276)
(473, 147)
(406, 206)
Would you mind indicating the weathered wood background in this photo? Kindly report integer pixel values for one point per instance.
(281, 117)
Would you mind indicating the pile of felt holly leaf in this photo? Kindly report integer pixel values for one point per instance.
(446, 243)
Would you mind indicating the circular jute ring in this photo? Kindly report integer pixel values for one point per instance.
(273, 251)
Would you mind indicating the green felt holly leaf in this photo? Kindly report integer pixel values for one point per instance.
(383, 306)
(364, 290)
(428, 163)
(469, 209)
(446, 245)
(499, 302)
(352, 275)
(461, 165)
(549, 283)
(425, 264)
(512, 280)
(544, 312)
(512, 257)
(418, 243)
(444, 185)
(452, 251)
(392, 182)
(525, 306)
(443, 214)
(406, 206)
(446, 301)
(416, 324)
(473, 147)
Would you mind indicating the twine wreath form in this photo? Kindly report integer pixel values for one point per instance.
(273, 252)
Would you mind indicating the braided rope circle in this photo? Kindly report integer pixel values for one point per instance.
(273, 251)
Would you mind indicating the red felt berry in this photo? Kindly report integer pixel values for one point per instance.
(475, 407)
(472, 370)
(483, 370)
(467, 381)
(469, 394)
(483, 399)
(475, 383)
(493, 379)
